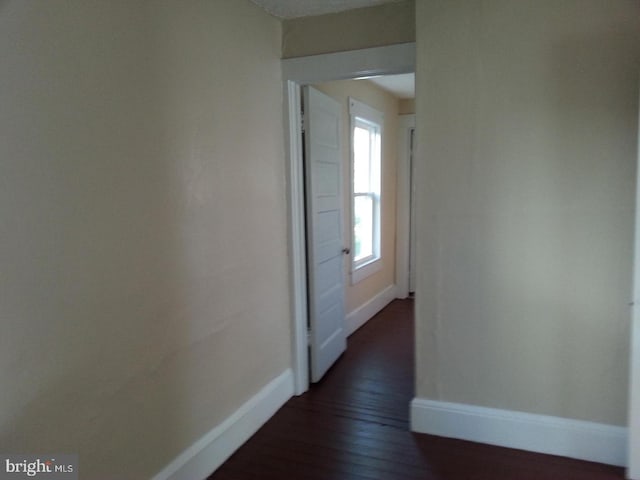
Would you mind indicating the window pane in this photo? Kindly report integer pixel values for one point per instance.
(363, 226)
(361, 159)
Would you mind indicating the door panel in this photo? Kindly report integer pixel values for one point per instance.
(323, 157)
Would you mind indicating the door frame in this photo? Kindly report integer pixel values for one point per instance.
(633, 462)
(297, 72)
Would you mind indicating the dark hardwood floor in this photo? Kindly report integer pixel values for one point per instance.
(354, 425)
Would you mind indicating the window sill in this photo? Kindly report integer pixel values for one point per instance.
(365, 270)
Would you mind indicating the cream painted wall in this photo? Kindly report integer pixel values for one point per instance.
(377, 26)
(527, 131)
(365, 91)
(406, 106)
(144, 287)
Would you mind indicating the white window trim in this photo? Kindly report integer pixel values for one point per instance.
(363, 269)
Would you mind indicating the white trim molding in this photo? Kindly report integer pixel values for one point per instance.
(358, 274)
(211, 451)
(366, 62)
(297, 236)
(579, 439)
(366, 311)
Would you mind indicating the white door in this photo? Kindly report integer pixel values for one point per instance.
(323, 184)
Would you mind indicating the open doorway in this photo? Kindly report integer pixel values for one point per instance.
(352, 160)
(297, 73)
(377, 119)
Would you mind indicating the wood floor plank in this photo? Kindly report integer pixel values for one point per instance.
(354, 425)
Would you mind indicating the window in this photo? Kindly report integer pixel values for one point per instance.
(366, 148)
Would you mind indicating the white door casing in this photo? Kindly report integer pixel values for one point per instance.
(323, 181)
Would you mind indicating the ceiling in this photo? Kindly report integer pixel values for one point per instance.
(402, 86)
(305, 8)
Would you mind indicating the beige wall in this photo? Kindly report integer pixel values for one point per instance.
(364, 91)
(527, 133)
(386, 24)
(406, 106)
(143, 287)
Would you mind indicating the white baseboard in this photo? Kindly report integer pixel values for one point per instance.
(364, 312)
(590, 441)
(207, 454)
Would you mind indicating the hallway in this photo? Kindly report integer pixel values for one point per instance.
(354, 425)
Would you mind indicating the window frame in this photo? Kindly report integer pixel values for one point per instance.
(363, 116)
